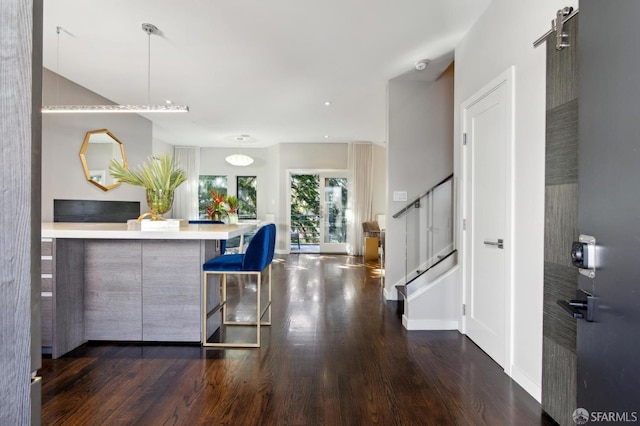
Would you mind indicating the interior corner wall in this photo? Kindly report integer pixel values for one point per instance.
(503, 37)
(159, 147)
(62, 137)
(419, 155)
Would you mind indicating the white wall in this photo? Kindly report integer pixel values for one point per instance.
(158, 147)
(62, 136)
(419, 155)
(503, 37)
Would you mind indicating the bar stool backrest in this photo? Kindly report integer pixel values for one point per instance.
(260, 250)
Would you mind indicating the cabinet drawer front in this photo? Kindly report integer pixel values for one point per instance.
(46, 247)
(46, 321)
(47, 283)
(47, 265)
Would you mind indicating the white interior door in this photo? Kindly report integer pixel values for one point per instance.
(333, 212)
(487, 127)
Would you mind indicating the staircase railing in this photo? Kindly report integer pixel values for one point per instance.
(429, 235)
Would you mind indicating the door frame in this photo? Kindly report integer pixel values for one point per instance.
(291, 172)
(506, 79)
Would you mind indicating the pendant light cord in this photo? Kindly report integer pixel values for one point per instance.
(58, 65)
(149, 68)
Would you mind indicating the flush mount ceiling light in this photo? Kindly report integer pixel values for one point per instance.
(239, 159)
(74, 109)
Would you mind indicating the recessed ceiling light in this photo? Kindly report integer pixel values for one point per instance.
(327, 103)
(168, 102)
(326, 136)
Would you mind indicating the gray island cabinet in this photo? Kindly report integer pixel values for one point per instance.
(104, 282)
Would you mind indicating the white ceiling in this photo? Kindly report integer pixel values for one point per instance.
(262, 68)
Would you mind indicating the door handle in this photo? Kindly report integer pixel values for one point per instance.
(499, 243)
(582, 307)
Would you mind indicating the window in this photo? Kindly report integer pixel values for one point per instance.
(206, 184)
(247, 197)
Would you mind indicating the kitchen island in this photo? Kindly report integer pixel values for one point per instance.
(101, 281)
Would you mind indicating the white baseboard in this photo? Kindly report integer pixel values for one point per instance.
(520, 377)
(282, 251)
(427, 324)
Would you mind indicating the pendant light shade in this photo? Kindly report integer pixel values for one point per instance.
(149, 29)
(240, 160)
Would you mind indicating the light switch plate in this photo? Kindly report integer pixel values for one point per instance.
(399, 195)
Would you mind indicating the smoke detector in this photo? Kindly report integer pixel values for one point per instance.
(422, 65)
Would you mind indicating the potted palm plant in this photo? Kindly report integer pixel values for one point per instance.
(159, 176)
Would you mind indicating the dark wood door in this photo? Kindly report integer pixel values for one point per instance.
(609, 206)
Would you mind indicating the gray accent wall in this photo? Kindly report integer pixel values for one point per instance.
(561, 228)
(62, 136)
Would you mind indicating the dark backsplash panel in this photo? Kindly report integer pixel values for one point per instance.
(95, 211)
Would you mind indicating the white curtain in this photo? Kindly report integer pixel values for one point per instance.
(361, 193)
(185, 200)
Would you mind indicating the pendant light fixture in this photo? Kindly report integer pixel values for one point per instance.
(149, 29)
(239, 159)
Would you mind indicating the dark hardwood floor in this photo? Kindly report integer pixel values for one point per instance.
(336, 354)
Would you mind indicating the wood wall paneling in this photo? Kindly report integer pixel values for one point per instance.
(562, 68)
(171, 290)
(561, 228)
(561, 223)
(95, 211)
(68, 292)
(20, 87)
(559, 284)
(213, 288)
(563, 398)
(113, 290)
(561, 155)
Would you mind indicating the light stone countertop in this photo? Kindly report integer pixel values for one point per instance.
(115, 231)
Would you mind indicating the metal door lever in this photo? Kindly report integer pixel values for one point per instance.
(499, 243)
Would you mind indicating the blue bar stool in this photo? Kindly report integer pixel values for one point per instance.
(254, 261)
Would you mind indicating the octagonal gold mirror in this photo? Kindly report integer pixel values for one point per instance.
(98, 149)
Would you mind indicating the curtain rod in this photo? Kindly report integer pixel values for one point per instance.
(539, 41)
